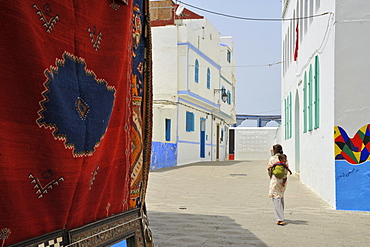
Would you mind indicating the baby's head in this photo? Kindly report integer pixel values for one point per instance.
(282, 157)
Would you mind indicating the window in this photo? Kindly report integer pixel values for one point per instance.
(196, 71)
(189, 121)
(310, 109)
(305, 15)
(301, 21)
(222, 135)
(285, 120)
(229, 56)
(208, 78)
(284, 56)
(311, 10)
(317, 5)
(317, 92)
(168, 129)
(290, 43)
(288, 116)
(228, 97)
(305, 103)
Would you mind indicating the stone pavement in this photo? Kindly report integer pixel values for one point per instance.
(226, 204)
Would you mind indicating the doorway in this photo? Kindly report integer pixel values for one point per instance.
(202, 138)
(218, 142)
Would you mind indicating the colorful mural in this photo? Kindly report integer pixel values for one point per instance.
(352, 169)
(355, 150)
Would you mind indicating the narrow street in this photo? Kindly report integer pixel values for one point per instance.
(226, 204)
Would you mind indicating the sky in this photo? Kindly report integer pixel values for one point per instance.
(255, 43)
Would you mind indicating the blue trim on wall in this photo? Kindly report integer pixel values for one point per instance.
(191, 103)
(226, 115)
(226, 80)
(352, 186)
(189, 142)
(201, 54)
(164, 154)
(198, 143)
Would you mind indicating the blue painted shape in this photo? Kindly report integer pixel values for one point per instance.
(163, 155)
(352, 186)
(226, 80)
(120, 244)
(196, 96)
(77, 105)
(204, 56)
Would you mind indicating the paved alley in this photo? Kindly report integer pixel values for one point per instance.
(226, 204)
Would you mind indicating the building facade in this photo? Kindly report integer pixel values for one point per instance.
(325, 102)
(193, 87)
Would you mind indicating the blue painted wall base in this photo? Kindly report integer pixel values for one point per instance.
(352, 186)
(163, 155)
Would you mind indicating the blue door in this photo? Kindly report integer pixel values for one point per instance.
(202, 138)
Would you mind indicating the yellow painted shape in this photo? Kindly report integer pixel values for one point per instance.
(357, 155)
(363, 129)
(337, 150)
(336, 132)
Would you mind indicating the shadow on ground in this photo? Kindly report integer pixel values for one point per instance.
(296, 222)
(181, 229)
(204, 163)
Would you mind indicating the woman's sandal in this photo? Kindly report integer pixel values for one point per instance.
(280, 223)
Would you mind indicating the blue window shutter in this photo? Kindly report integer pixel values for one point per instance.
(208, 78)
(285, 121)
(196, 71)
(192, 122)
(305, 103)
(317, 92)
(310, 110)
(189, 121)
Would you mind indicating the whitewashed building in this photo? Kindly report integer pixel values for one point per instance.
(325, 98)
(193, 67)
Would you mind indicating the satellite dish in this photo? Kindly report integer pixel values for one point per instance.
(179, 9)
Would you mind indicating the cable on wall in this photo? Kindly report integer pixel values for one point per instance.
(249, 18)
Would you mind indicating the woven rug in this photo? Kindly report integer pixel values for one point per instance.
(76, 113)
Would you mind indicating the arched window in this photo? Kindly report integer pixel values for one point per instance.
(305, 103)
(311, 10)
(317, 5)
(310, 107)
(208, 78)
(290, 116)
(317, 92)
(196, 71)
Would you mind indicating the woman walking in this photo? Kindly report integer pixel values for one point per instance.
(277, 185)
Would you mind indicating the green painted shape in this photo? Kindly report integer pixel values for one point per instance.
(347, 150)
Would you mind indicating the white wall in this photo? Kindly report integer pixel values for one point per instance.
(203, 35)
(254, 143)
(311, 153)
(160, 113)
(164, 40)
(352, 74)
